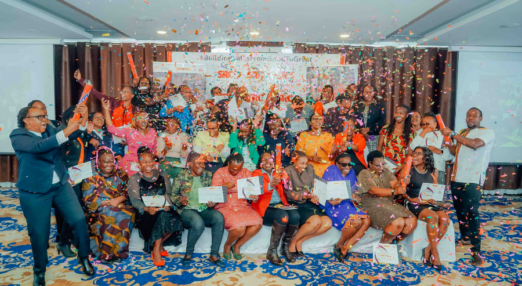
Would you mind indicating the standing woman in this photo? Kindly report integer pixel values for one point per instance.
(274, 134)
(139, 134)
(429, 211)
(282, 221)
(241, 221)
(312, 219)
(155, 224)
(379, 189)
(299, 110)
(373, 115)
(150, 102)
(345, 214)
(172, 146)
(99, 135)
(317, 145)
(416, 119)
(212, 144)
(245, 141)
(110, 216)
(353, 145)
(395, 138)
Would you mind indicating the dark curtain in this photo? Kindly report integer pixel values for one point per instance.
(422, 78)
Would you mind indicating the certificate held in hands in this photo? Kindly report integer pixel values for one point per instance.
(332, 190)
(156, 201)
(212, 194)
(249, 186)
(432, 191)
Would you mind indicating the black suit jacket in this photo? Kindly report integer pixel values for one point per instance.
(376, 116)
(37, 158)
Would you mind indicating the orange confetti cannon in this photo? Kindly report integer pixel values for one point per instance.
(409, 160)
(133, 67)
(83, 99)
(447, 140)
(169, 76)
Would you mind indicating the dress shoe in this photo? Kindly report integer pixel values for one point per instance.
(65, 249)
(39, 279)
(338, 254)
(86, 265)
(476, 259)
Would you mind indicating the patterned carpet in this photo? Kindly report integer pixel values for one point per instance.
(502, 242)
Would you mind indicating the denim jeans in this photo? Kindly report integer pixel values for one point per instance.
(196, 222)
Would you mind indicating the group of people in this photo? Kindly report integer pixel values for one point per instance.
(152, 141)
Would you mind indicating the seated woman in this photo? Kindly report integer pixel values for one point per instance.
(194, 215)
(241, 221)
(172, 146)
(245, 141)
(110, 216)
(99, 135)
(138, 135)
(352, 144)
(312, 219)
(379, 189)
(212, 143)
(429, 211)
(345, 214)
(317, 145)
(282, 221)
(155, 224)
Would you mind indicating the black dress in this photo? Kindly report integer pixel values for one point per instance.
(413, 190)
(154, 227)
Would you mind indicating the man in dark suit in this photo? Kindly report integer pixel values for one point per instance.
(43, 181)
(38, 104)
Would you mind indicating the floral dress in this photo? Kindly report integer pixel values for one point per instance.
(395, 146)
(110, 227)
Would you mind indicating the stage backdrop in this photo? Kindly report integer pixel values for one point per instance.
(292, 74)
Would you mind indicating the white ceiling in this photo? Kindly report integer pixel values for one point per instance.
(431, 22)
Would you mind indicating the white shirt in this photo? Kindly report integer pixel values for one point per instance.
(280, 111)
(240, 112)
(472, 164)
(61, 139)
(434, 139)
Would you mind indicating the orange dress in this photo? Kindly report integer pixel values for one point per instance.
(237, 212)
(314, 145)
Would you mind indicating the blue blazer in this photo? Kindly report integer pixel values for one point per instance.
(37, 158)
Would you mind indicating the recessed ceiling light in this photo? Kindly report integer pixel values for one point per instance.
(345, 36)
(162, 32)
(254, 33)
(512, 25)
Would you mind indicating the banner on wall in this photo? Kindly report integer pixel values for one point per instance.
(293, 74)
(192, 75)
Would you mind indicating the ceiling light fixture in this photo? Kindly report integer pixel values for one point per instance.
(512, 25)
(162, 32)
(254, 33)
(345, 36)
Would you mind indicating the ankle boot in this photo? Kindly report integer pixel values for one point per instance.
(65, 249)
(39, 279)
(277, 232)
(291, 230)
(86, 265)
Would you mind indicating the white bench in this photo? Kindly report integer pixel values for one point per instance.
(412, 246)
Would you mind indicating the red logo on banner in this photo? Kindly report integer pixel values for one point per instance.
(224, 74)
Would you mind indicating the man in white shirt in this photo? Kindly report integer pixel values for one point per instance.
(430, 137)
(472, 153)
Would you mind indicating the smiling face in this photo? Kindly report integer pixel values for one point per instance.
(418, 157)
(429, 121)
(327, 94)
(41, 106)
(35, 120)
(142, 120)
(350, 125)
(344, 165)
(415, 118)
(234, 168)
(300, 164)
(401, 114)
(267, 162)
(98, 121)
(172, 126)
(144, 85)
(213, 129)
(244, 131)
(127, 93)
(106, 163)
(274, 125)
(146, 162)
(217, 91)
(316, 122)
(368, 93)
(198, 166)
(377, 165)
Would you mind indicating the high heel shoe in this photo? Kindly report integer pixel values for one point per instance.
(39, 279)
(236, 256)
(65, 250)
(426, 262)
(86, 265)
(338, 254)
(158, 264)
(164, 253)
(300, 253)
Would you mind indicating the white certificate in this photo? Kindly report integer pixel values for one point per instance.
(389, 164)
(156, 201)
(80, 172)
(249, 186)
(212, 194)
(178, 100)
(298, 125)
(219, 98)
(331, 190)
(328, 106)
(385, 253)
(432, 191)
(237, 113)
(135, 167)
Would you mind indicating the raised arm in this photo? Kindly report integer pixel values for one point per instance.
(471, 143)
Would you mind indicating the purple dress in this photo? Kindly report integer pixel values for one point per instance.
(341, 213)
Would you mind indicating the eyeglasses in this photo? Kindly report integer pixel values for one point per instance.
(40, 117)
(344, 165)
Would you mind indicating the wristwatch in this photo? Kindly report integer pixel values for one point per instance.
(453, 133)
(393, 192)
